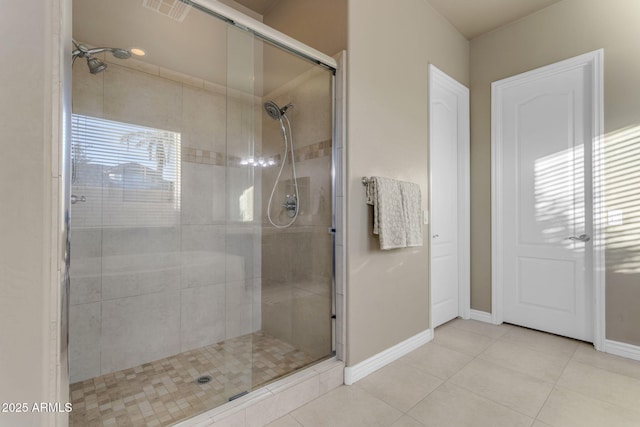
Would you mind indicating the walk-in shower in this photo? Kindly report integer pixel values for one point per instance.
(291, 200)
(201, 266)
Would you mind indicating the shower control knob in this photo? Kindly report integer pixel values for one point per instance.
(291, 205)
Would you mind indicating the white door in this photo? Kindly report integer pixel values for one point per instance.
(543, 131)
(449, 139)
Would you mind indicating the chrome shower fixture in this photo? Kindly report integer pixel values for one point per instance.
(94, 64)
(291, 203)
(275, 112)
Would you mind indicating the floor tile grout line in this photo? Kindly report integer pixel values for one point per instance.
(588, 396)
(424, 398)
(490, 399)
(473, 358)
(448, 381)
(293, 416)
(533, 350)
(516, 371)
(555, 384)
(564, 388)
(612, 357)
(404, 362)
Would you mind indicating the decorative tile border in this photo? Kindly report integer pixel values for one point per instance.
(205, 157)
(215, 158)
(313, 151)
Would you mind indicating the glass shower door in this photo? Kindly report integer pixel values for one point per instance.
(242, 210)
(279, 184)
(182, 289)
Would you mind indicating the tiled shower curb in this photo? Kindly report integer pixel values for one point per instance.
(267, 404)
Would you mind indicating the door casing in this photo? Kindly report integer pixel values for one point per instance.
(593, 62)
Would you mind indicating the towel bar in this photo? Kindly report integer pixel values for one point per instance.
(365, 181)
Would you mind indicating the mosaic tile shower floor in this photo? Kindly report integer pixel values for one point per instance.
(163, 392)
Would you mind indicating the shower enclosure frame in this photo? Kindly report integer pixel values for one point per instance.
(61, 149)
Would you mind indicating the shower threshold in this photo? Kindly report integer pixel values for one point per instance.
(166, 391)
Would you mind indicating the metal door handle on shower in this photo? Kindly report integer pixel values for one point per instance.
(581, 238)
(75, 199)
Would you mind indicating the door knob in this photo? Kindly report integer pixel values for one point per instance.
(581, 238)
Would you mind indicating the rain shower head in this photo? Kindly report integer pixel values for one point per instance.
(119, 53)
(275, 112)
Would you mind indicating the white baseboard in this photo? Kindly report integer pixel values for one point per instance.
(617, 348)
(481, 316)
(357, 372)
(622, 349)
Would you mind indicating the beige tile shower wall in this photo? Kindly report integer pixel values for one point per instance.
(297, 261)
(390, 47)
(561, 31)
(142, 292)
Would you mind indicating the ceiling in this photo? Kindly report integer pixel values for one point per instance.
(170, 43)
(471, 17)
(475, 17)
(260, 6)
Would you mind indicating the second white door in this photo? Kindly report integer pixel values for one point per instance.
(449, 150)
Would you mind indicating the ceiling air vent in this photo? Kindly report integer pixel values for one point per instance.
(174, 9)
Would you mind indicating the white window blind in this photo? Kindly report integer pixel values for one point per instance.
(129, 174)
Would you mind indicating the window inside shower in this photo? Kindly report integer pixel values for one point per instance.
(183, 294)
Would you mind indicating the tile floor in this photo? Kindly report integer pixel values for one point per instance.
(477, 374)
(162, 392)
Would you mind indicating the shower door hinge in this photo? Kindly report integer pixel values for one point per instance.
(331, 230)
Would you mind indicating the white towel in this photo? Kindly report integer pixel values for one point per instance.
(397, 212)
(412, 205)
(389, 220)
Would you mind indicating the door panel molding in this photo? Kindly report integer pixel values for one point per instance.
(438, 77)
(592, 63)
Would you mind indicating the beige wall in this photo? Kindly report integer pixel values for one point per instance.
(567, 29)
(28, 192)
(390, 47)
(319, 24)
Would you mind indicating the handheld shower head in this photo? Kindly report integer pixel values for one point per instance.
(272, 109)
(275, 112)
